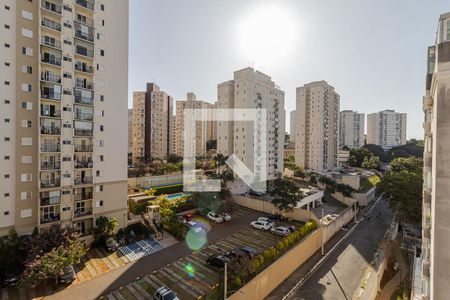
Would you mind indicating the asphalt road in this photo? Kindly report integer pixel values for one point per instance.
(340, 276)
(114, 279)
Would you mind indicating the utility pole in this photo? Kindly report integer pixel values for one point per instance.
(225, 282)
(323, 231)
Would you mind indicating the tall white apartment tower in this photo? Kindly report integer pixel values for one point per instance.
(317, 126)
(203, 129)
(351, 129)
(63, 113)
(436, 208)
(292, 124)
(252, 89)
(386, 128)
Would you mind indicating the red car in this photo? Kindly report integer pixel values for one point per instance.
(188, 217)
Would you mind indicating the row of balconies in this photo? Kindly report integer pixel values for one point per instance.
(89, 4)
(56, 147)
(56, 130)
(56, 182)
(52, 214)
(51, 6)
(51, 24)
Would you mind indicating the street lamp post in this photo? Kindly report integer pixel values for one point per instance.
(225, 282)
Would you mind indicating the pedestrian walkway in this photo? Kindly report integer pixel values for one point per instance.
(392, 284)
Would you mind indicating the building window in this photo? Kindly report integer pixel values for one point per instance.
(27, 105)
(101, 157)
(6, 7)
(6, 213)
(27, 33)
(26, 213)
(27, 69)
(27, 15)
(7, 64)
(26, 87)
(7, 139)
(102, 7)
(25, 195)
(7, 120)
(7, 157)
(27, 51)
(6, 176)
(101, 128)
(6, 26)
(7, 82)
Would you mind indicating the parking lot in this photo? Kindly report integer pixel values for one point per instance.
(191, 277)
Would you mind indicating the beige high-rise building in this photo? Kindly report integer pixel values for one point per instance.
(152, 119)
(173, 134)
(317, 126)
(292, 125)
(252, 89)
(386, 129)
(63, 112)
(351, 129)
(436, 209)
(130, 130)
(204, 128)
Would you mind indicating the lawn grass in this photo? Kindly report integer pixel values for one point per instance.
(367, 183)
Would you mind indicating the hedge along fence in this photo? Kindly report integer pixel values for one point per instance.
(265, 259)
(168, 189)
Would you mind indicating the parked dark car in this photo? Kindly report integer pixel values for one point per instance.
(237, 254)
(11, 279)
(217, 261)
(249, 251)
(276, 217)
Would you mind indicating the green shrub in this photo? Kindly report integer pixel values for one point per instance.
(168, 189)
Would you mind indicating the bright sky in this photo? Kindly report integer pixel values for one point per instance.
(372, 52)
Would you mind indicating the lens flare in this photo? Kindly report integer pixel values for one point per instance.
(196, 238)
(189, 268)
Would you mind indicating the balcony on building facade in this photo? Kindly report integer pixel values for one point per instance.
(82, 212)
(84, 50)
(83, 227)
(50, 147)
(51, 6)
(80, 180)
(50, 24)
(50, 58)
(428, 162)
(83, 194)
(84, 148)
(50, 42)
(427, 102)
(80, 163)
(50, 111)
(83, 116)
(426, 269)
(83, 67)
(47, 198)
(51, 92)
(49, 76)
(51, 130)
(50, 165)
(83, 132)
(50, 182)
(84, 32)
(89, 4)
(83, 96)
(84, 84)
(427, 196)
(85, 20)
(50, 216)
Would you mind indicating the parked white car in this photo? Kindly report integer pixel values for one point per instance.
(281, 230)
(226, 217)
(164, 293)
(265, 219)
(214, 217)
(261, 225)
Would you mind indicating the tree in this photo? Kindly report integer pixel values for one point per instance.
(287, 194)
(53, 263)
(13, 251)
(173, 158)
(207, 201)
(402, 187)
(357, 156)
(371, 162)
(220, 160)
(378, 151)
(104, 227)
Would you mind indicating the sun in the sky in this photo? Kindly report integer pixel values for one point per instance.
(267, 34)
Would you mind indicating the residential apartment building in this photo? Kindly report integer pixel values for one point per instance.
(173, 134)
(317, 126)
(152, 119)
(292, 126)
(62, 113)
(130, 130)
(386, 128)
(203, 128)
(252, 89)
(351, 129)
(436, 210)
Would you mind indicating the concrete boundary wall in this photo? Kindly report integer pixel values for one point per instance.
(154, 181)
(332, 228)
(365, 198)
(267, 207)
(263, 284)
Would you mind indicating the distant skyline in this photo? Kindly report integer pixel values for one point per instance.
(373, 53)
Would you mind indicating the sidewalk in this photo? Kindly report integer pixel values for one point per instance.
(392, 284)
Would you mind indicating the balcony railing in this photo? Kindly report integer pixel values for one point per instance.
(81, 212)
(84, 84)
(84, 51)
(50, 59)
(50, 130)
(45, 201)
(50, 42)
(50, 148)
(86, 4)
(47, 93)
(50, 166)
(51, 113)
(80, 99)
(50, 24)
(50, 77)
(50, 219)
(51, 6)
(87, 36)
(84, 148)
(84, 20)
(82, 196)
(83, 180)
(82, 164)
(84, 116)
(48, 183)
(84, 132)
(82, 67)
